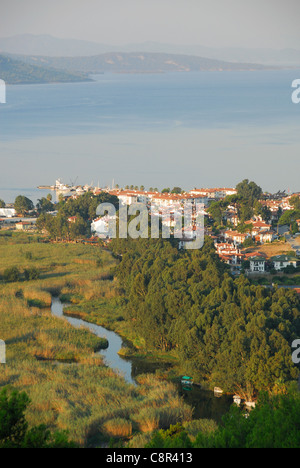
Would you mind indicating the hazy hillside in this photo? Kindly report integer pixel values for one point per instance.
(264, 56)
(137, 62)
(18, 72)
(44, 44)
(47, 45)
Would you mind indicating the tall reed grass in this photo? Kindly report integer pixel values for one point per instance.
(117, 427)
(56, 364)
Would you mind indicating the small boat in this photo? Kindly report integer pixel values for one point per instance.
(186, 380)
(250, 404)
(237, 399)
(187, 388)
(60, 187)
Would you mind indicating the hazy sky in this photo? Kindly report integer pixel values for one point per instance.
(217, 23)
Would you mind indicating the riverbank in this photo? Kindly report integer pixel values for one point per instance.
(133, 365)
(108, 314)
(68, 382)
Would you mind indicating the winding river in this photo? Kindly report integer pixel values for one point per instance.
(111, 357)
(205, 404)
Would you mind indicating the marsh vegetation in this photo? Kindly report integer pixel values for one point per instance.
(67, 382)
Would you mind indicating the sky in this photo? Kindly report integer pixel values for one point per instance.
(212, 23)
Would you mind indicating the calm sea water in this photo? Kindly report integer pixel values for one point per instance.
(186, 129)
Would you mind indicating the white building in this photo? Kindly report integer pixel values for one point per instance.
(257, 264)
(7, 212)
(236, 237)
(265, 236)
(229, 253)
(100, 226)
(214, 192)
(282, 261)
(129, 197)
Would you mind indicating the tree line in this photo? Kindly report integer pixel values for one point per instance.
(274, 423)
(14, 428)
(81, 209)
(226, 331)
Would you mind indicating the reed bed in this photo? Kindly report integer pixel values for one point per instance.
(117, 427)
(69, 387)
(34, 332)
(37, 297)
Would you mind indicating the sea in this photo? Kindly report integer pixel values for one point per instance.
(186, 129)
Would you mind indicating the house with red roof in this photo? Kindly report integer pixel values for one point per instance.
(236, 237)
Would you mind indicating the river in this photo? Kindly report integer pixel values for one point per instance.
(205, 404)
(111, 357)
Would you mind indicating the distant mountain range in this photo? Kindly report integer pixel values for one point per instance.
(30, 44)
(19, 72)
(28, 67)
(46, 45)
(135, 62)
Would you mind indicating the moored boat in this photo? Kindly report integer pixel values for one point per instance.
(186, 380)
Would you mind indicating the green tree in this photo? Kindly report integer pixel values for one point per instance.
(225, 331)
(13, 425)
(176, 190)
(216, 210)
(295, 202)
(273, 423)
(289, 217)
(79, 229)
(173, 437)
(14, 432)
(248, 193)
(44, 205)
(23, 205)
(31, 273)
(263, 211)
(11, 275)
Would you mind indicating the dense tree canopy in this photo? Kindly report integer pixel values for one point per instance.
(14, 430)
(45, 205)
(246, 201)
(226, 331)
(274, 423)
(23, 204)
(248, 194)
(83, 209)
(249, 191)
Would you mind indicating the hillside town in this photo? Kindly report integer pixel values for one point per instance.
(230, 242)
(239, 243)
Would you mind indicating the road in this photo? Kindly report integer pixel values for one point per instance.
(294, 243)
(17, 220)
